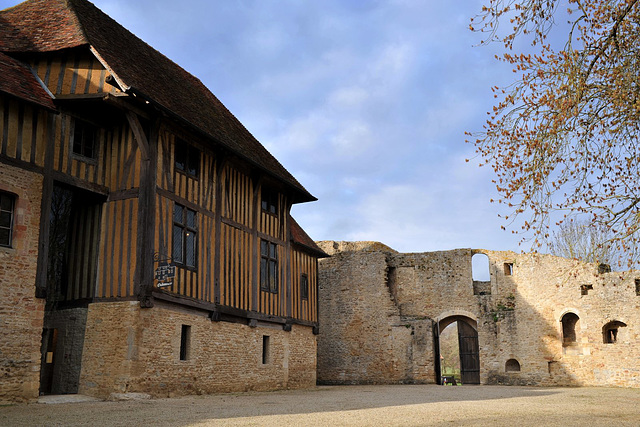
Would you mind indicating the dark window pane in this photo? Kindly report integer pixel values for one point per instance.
(181, 155)
(274, 251)
(84, 135)
(264, 248)
(264, 205)
(194, 162)
(273, 276)
(304, 287)
(88, 151)
(177, 244)
(6, 202)
(191, 218)
(5, 219)
(191, 249)
(5, 237)
(177, 213)
(264, 274)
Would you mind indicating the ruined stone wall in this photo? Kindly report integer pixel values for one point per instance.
(363, 338)
(367, 290)
(129, 349)
(21, 314)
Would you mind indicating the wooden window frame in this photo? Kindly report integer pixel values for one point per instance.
(269, 277)
(7, 211)
(85, 137)
(304, 286)
(190, 156)
(269, 202)
(184, 229)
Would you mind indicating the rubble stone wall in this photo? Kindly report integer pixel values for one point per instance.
(129, 349)
(379, 309)
(21, 313)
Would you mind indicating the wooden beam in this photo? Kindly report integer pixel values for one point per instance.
(139, 134)
(45, 212)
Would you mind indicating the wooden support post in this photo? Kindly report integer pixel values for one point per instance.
(45, 211)
(143, 277)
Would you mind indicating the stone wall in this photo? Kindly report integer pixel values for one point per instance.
(379, 309)
(129, 349)
(21, 314)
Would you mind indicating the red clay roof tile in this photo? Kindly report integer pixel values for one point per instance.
(18, 80)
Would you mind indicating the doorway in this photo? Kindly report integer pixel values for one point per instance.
(72, 255)
(466, 369)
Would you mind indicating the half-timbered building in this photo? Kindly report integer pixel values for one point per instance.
(146, 242)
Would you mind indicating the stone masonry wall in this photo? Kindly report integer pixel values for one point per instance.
(367, 290)
(129, 349)
(21, 314)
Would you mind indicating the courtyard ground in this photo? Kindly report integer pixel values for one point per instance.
(384, 405)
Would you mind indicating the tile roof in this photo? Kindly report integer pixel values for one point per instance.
(49, 25)
(299, 236)
(18, 80)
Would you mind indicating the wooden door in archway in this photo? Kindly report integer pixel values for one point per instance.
(469, 354)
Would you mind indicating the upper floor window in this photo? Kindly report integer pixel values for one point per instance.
(268, 266)
(304, 287)
(187, 158)
(270, 202)
(7, 204)
(84, 139)
(184, 236)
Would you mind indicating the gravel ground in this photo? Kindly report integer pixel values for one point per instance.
(395, 405)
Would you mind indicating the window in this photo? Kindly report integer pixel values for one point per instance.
(187, 158)
(512, 365)
(637, 286)
(270, 202)
(584, 289)
(265, 349)
(508, 268)
(304, 287)
(185, 342)
(184, 236)
(480, 268)
(7, 203)
(84, 139)
(268, 266)
(569, 324)
(610, 333)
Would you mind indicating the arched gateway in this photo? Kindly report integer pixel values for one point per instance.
(468, 347)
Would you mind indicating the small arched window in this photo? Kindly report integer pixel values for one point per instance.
(512, 365)
(610, 331)
(569, 325)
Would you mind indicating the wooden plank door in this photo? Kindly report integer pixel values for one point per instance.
(469, 354)
(49, 344)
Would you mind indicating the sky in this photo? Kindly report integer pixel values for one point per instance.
(364, 102)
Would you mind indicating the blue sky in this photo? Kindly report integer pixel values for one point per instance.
(365, 102)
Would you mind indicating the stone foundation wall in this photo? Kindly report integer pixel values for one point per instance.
(379, 309)
(129, 349)
(21, 314)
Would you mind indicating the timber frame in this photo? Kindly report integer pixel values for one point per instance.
(99, 73)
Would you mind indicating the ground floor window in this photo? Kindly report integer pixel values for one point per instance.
(7, 204)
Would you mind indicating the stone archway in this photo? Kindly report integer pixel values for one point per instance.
(468, 347)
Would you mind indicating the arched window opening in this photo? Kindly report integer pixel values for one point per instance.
(480, 268)
(610, 333)
(569, 325)
(512, 365)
